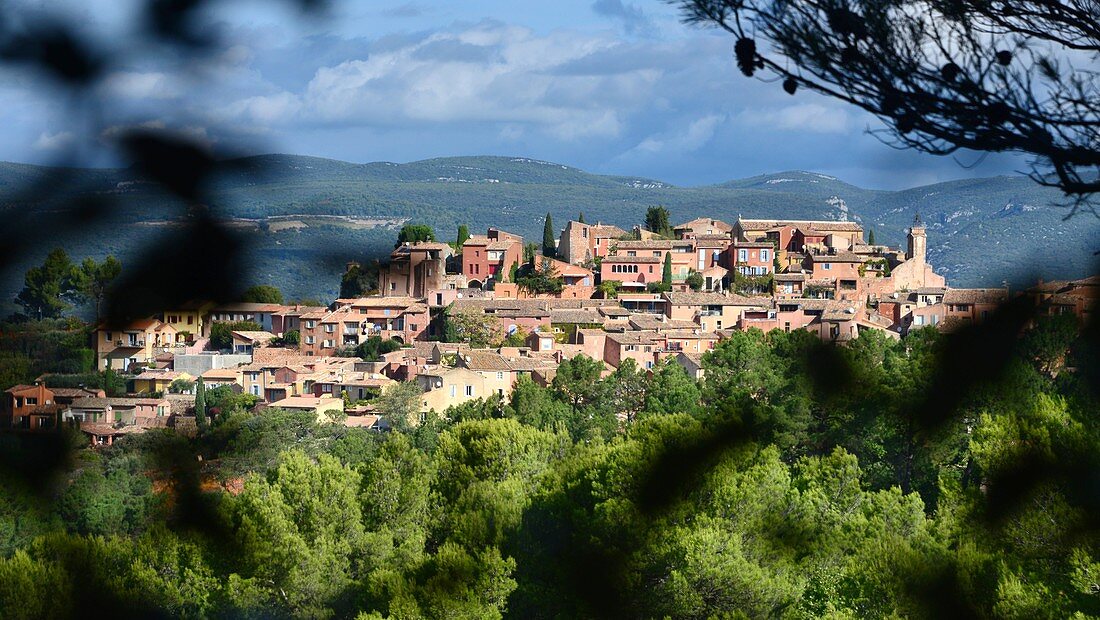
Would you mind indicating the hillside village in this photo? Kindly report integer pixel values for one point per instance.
(467, 321)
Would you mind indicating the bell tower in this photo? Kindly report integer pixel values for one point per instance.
(917, 240)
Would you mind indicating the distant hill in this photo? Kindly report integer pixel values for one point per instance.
(305, 215)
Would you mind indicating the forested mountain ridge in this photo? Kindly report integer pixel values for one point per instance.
(980, 230)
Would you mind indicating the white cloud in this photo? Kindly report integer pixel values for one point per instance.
(266, 109)
(805, 117)
(140, 85)
(694, 137)
(54, 141)
(115, 131)
(489, 73)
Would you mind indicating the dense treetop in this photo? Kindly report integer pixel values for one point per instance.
(795, 480)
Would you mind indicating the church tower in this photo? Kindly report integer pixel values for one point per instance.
(918, 241)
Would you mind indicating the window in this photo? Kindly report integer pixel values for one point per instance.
(309, 339)
(827, 266)
(742, 255)
(190, 319)
(500, 375)
(393, 286)
(327, 388)
(330, 328)
(763, 255)
(309, 324)
(469, 390)
(107, 336)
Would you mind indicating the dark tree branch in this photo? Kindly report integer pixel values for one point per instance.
(943, 75)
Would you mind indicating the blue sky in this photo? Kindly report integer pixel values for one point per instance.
(610, 86)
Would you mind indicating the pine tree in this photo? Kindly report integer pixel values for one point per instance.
(548, 247)
(657, 221)
(112, 384)
(200, 404)
(48, 287)
(666, 273)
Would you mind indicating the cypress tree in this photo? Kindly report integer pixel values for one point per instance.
(463, 235)
(666, 273)
(871, 237)
(200, 404)
(580, 218)
(548, 247)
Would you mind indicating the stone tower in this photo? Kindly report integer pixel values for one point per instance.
(918, 241)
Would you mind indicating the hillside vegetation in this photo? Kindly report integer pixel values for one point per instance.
(981, 231)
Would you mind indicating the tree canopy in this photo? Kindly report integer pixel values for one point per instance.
(549, 247)
(795, 479)
(221, 332)
(263, 294)
(657, 221)
(413, 233)
(48, 288)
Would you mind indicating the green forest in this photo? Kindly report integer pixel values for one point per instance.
(932, 477)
